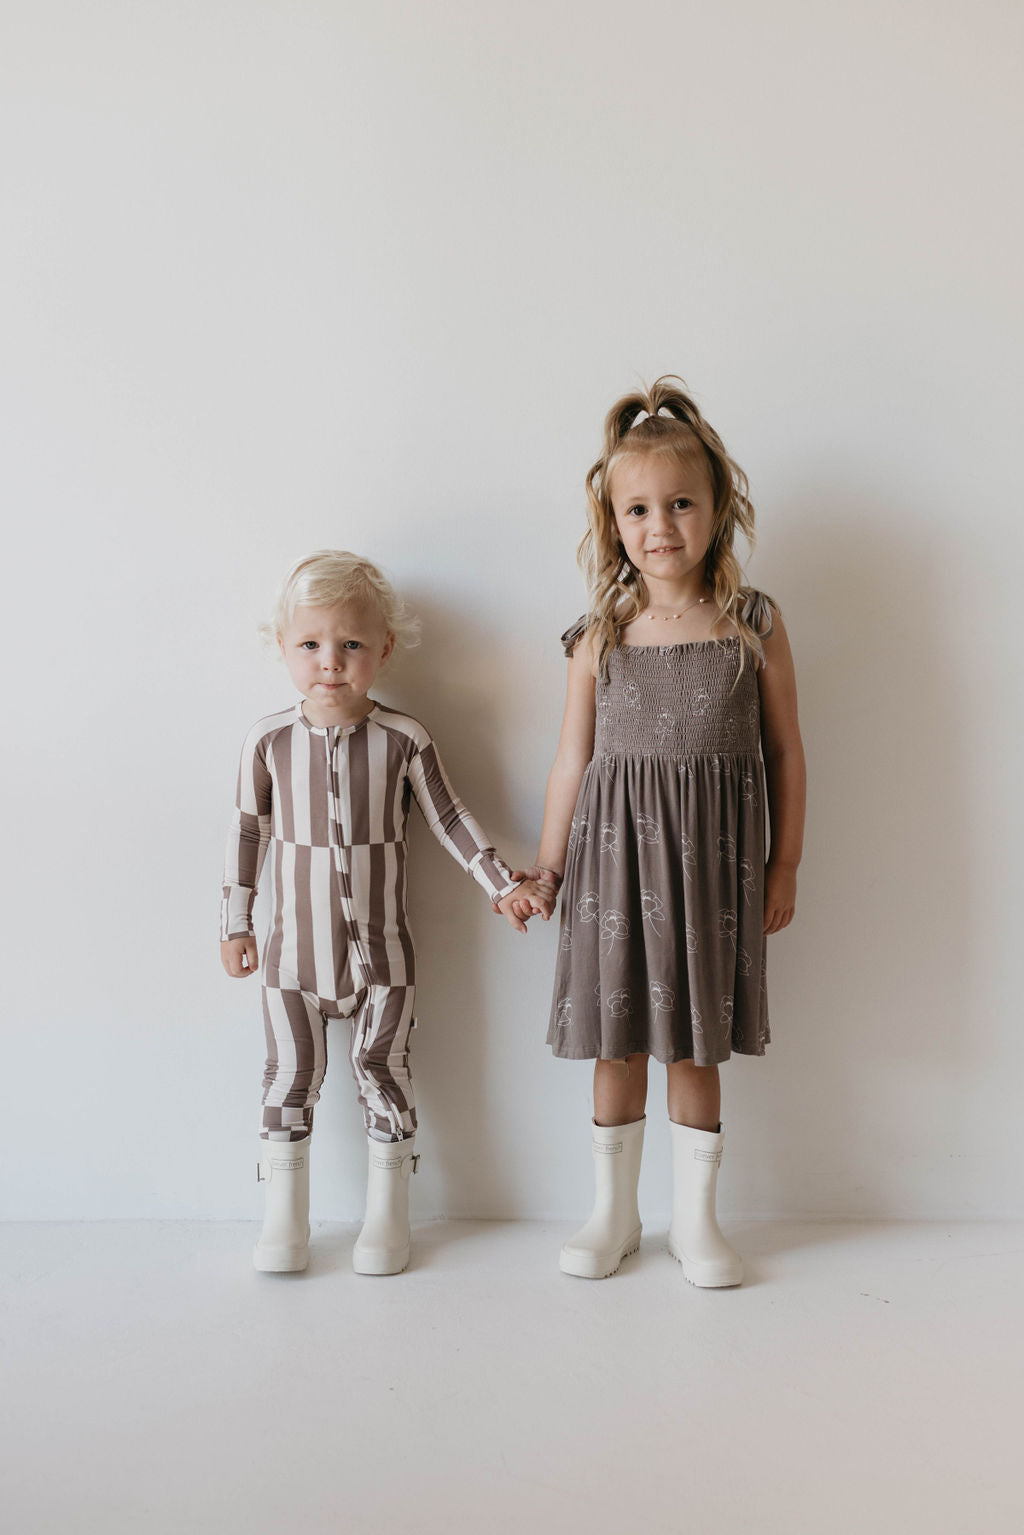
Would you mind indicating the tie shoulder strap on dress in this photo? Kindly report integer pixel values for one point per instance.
(572, 637)
(756, 610)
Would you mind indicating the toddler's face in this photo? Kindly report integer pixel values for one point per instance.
(664, 511)
(334, 655)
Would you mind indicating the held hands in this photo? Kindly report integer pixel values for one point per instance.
(536, 895)
(239, 956)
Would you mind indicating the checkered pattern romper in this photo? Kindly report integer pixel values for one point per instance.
(328, 808)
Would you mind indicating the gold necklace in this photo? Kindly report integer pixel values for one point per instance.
(667, 618)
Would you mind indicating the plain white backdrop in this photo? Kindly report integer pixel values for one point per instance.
(279, 276)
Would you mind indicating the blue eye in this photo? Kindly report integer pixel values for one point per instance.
(353, 645)
(308, 645)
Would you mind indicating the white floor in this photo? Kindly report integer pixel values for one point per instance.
(867, 1377)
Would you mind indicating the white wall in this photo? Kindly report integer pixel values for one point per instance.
(283, 275)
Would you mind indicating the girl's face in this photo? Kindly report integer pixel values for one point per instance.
(664, 510)
(334, 655)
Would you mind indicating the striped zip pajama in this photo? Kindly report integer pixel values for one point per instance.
(327, 808)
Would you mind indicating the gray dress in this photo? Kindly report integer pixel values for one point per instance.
(662, 949)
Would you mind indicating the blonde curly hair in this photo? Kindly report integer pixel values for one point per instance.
(663, 419)
(329, 576)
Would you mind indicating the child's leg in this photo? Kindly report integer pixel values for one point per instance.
(296, 1032)
(694, 1095)
(694, 1109)
(296, 1062)
(620, 1090)
(380, 1062)
(617, 1138)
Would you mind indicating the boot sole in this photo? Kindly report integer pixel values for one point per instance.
(380, 1263)
(706, 1276)
(280, 1260)
(597, 1265)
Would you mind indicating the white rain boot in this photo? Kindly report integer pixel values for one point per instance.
(283, 1247)
(613, 1231)
(382, 1246)
(694, 1237)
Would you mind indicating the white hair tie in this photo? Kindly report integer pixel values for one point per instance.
(644, 415)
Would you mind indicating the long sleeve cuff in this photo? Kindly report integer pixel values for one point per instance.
(492, 874)
(236, 912)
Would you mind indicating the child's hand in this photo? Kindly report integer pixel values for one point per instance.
(551, 882)
(779, 896)
(527, 900)
(239, 956)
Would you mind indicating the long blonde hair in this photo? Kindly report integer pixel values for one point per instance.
(673, 424)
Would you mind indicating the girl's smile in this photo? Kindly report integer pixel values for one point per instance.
(664, 512)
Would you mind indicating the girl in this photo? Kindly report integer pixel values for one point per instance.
(325, 788)
(655, 812)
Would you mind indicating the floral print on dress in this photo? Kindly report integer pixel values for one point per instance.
(610, 840)
(620, 1003)
(587, 906)
(579, 831)
(614, 928)
(727, 848)
(689, 857)
(663, 998)
(648, 830)
(563, 1016)
(691, 939)
(748, 879)
(663, 727)
(653, 909)
(727, 924)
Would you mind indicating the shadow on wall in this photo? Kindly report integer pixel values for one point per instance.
(870, 989)
(455, 682)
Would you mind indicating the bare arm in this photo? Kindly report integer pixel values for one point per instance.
(575, 749)
(785, 776)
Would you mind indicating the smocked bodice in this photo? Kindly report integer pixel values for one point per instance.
(677, 700)
(685, 699)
